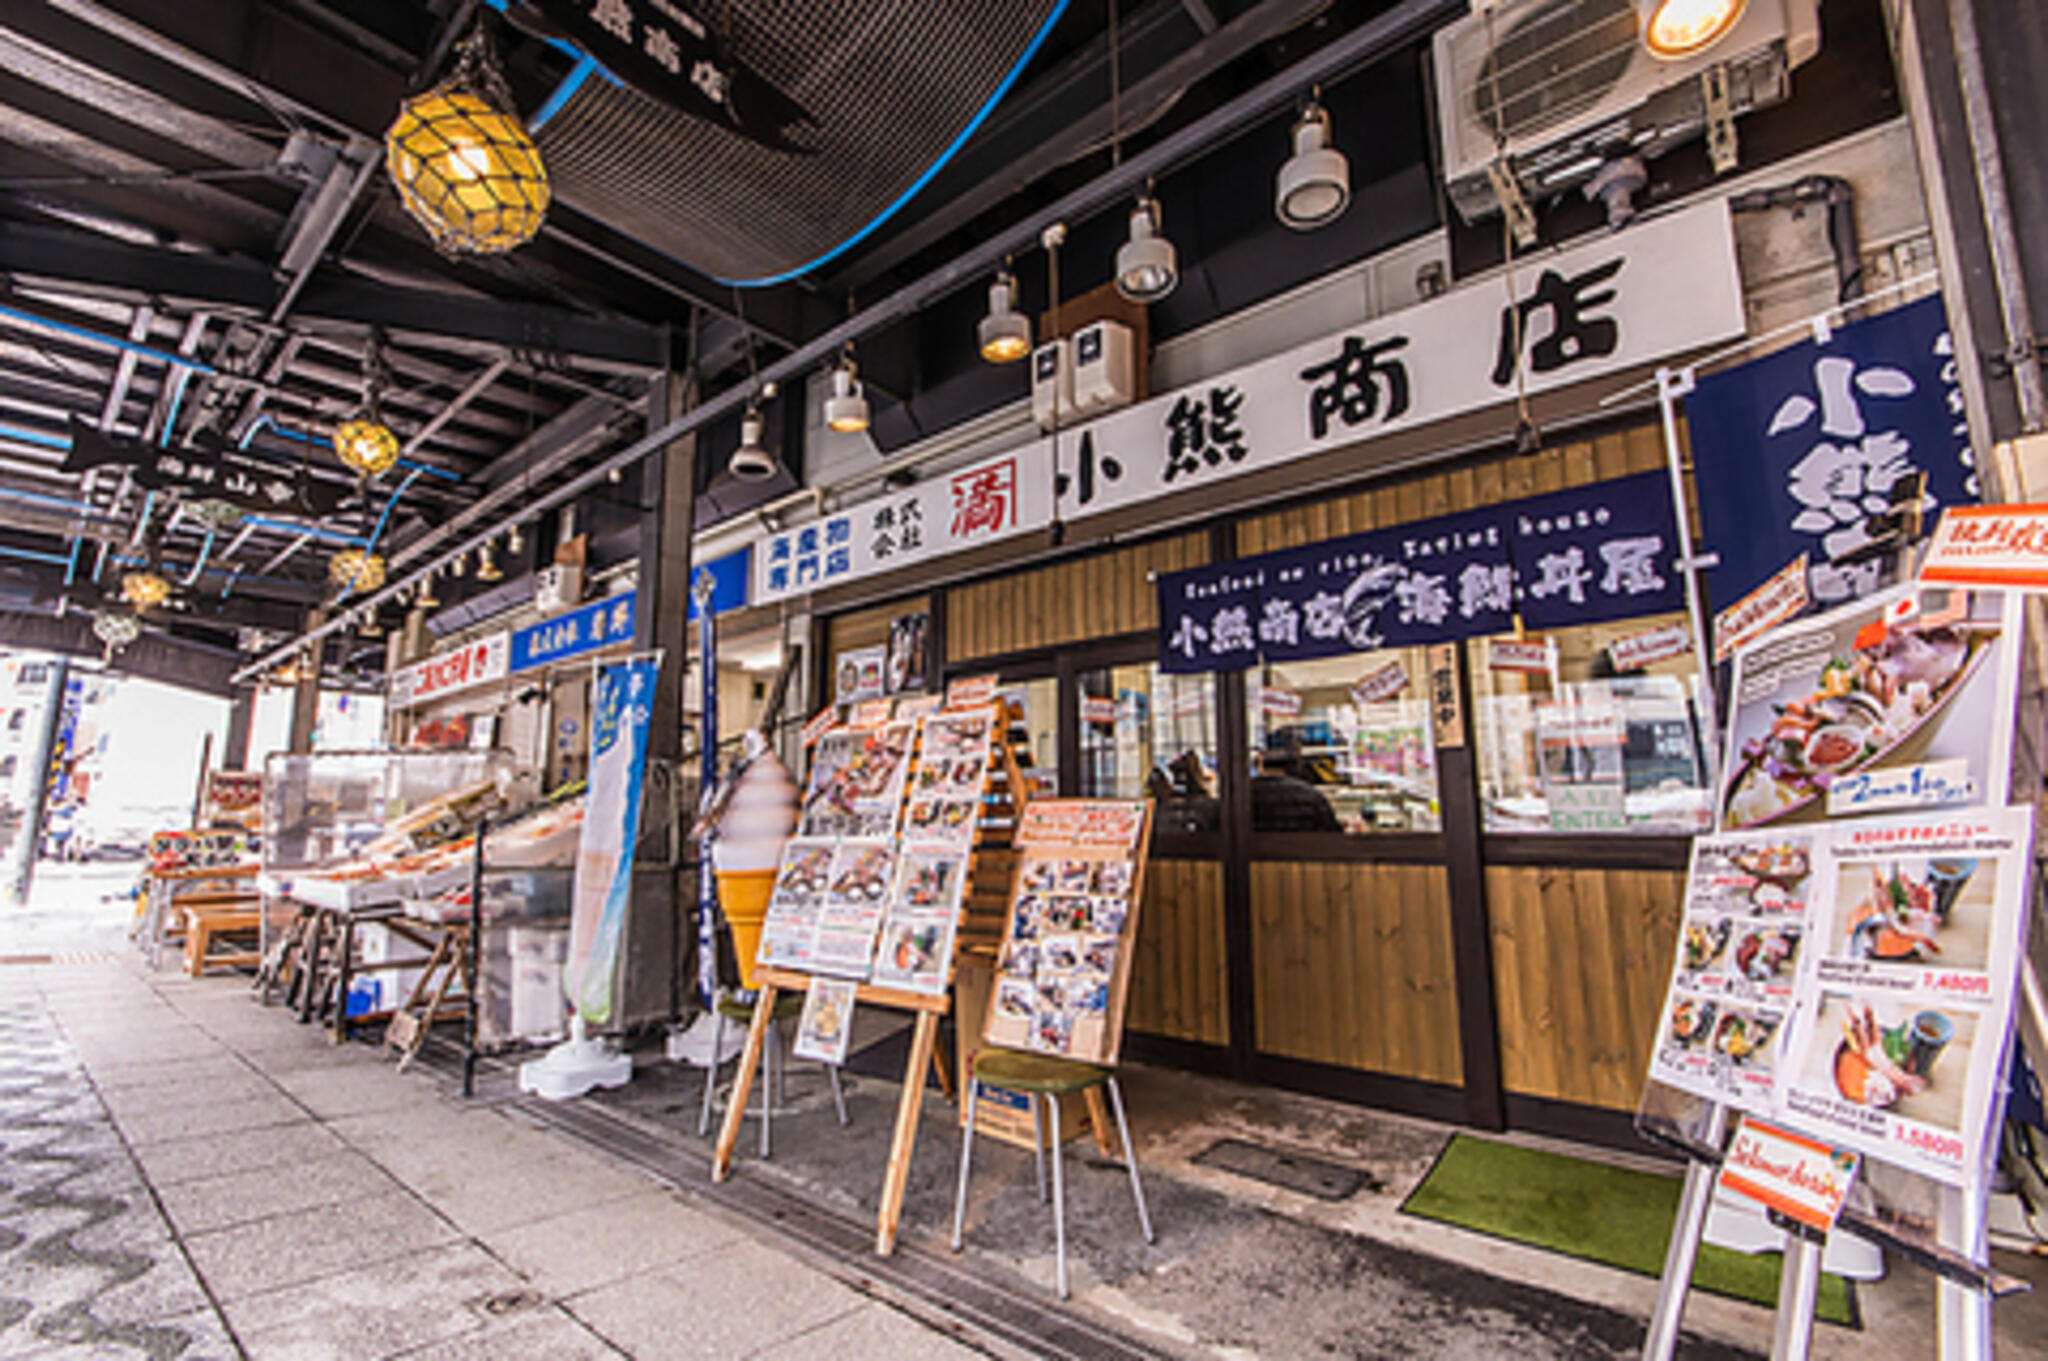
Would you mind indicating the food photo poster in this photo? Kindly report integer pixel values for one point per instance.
(1899, 1048)
(1900, 702)
(1740, 946)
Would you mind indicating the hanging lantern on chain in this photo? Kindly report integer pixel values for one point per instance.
(145, 588)
(354, 570)
(464, 165)
(364, 444)
(116, 629)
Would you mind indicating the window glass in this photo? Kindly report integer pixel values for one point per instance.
(1342, 744)
(1145, 733)
(1571, 742)
(1034, 708)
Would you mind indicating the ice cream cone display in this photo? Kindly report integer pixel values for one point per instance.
(751, 830)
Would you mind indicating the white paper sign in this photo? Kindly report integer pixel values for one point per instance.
(466, 667)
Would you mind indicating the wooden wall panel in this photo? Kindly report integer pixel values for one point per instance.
(1098, 596)
(1418, 496)
(1178, 983)
(1352, 966)
(1580, 960)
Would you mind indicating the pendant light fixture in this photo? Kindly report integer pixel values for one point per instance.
(1314, 186)
(846, 410)
(515, 541)
(463, 163)
(356, 571)
(145, 588)
(1676, 29)
(751, 462)
(364, 444)
(1005, 333)
(368, 626)
(1146, 266)
(487, 568)
(425, 599)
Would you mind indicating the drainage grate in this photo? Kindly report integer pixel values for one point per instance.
(1297, 1172)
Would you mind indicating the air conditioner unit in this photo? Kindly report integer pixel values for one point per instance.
(1562, 86)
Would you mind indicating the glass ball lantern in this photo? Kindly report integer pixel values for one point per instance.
(463, 163)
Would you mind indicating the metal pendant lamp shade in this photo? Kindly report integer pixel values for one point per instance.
(1005, 333)
(463, 163)
(1146, 266)
(751, 462)
(1314, 186)
(846, 410)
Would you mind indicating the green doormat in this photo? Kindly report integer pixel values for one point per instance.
(1612, 1215)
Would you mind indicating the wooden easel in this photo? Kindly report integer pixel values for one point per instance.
(929, 1007)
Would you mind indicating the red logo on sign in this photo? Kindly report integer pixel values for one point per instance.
(985, 500)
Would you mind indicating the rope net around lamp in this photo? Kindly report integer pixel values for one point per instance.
(463, 163)
(356, 571)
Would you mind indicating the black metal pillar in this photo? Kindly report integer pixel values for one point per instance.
(28, 841)
(241, 715)
(306, 692)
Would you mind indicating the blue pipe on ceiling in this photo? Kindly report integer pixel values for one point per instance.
(65, 328)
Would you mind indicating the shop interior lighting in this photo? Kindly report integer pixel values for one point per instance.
(846, 410)
(355, 570)
(1676, 29)
(426, 599)
(1314, 186)
(368, 626)
(515, 541)
(1146, 268)
(487, 568)
(751, 462)
(463, 163)
(1005, 332)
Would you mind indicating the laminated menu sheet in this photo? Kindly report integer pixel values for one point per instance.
(1855, 981)
(1064, 965)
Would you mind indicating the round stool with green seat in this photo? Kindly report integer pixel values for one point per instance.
(735, 1007)
(1039, 1076)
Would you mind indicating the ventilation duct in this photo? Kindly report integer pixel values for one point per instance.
(887, 90)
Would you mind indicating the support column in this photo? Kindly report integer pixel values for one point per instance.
(241, 717)
(658, 935)
(306, 694)
(21, 856)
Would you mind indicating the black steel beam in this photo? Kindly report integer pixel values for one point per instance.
(62, 255)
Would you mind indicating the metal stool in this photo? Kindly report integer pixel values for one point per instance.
(1038, 1076)
(788, 1006)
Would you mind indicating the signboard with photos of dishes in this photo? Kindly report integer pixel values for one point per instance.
(1063, 971)
(871, 887)
(1846, 964)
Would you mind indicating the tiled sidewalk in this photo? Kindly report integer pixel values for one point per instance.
(184, 1173)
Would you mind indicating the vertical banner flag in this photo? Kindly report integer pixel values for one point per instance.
(611, 827)
(1793, 452)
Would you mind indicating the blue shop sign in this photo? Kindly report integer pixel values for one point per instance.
(729, 577)
(600, 624)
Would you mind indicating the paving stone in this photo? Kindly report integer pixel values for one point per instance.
(289, 1249)
(551, 1335)
(207, 1155)
(243, 1197)
(344, 1090)
(575, 1252)
(735, 1300)
(872, 1330)
(471, 1191)
(428, 1296)
(155, 1124)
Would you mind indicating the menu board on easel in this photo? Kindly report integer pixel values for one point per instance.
(846, 883)
(1063, 973)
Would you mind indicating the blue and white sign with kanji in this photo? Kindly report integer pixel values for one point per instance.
(591, 628)
(1794, 452)
(1607, 551)
(1602, 307)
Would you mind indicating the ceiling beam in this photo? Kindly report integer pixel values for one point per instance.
(67, 256)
